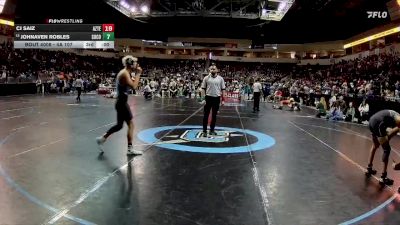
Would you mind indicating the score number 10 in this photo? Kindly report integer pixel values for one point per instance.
(108, 32)
(108, 27)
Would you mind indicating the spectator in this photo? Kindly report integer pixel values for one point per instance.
(321, 107)
(364, 112)
(332, 101)
(247, 91)
(341, 103)
(257, 88)
(188, 90)
(173, 90)
(278, 95)
(350, 113)
(147, 91)
(335, 113)
(38, 85)
(266, 91)
(53, 88)
(164, 89)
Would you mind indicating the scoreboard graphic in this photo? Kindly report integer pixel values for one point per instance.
(76, 36)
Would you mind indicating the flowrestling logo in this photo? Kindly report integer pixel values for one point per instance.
(62, 21)
(377, 14)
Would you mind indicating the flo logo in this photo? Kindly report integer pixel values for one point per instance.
(377, 14)
(189, 138)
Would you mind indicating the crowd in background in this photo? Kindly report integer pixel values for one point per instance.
(26, 65)
(372, 77)
(6, 30)
(369, 77)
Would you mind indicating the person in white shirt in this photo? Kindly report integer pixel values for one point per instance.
(213, 89)
(164, 89)
(78, 86)
(147, 91)
(38, 85)
(173, 90)
(364, 111)
(53, 87)
(332, 100)
(256, 95)
(152, 85)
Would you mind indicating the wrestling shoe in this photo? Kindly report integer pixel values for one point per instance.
(100, 141)
(131, 151)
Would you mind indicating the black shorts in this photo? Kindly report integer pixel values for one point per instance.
(377, 128)
(123, 112)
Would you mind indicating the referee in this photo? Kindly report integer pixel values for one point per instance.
(257, 88)
(78, 86)
(213, 87)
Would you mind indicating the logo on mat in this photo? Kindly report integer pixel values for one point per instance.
(189, 138)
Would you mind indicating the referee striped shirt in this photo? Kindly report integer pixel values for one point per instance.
(213, 85)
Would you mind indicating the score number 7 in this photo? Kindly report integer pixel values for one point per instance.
(108, 36)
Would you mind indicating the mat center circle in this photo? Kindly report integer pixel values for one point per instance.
(186, 137)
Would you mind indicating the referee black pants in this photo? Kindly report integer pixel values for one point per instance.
(256, 101)
(79, 89)
(211, 103)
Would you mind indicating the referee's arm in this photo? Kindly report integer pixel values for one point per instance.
(203, 87)
(222, 89)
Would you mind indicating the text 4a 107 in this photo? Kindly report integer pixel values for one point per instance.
(64, 44)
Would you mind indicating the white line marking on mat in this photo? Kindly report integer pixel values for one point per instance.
(36, 148)
(12, 110)
(65, 210)
(164, 142)
(105, 125)
(335, 150)
(12, 117)
(256, 176)
(59, 140)
(396, 151)
(344, 157)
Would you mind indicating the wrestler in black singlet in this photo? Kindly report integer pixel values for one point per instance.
(382, 120)
(121, 105)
